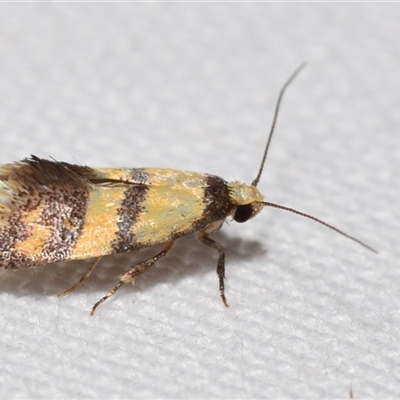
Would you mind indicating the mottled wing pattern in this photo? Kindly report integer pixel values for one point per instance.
(53, 211)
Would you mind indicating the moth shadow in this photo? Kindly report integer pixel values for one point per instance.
(192, 258)
(188, 257)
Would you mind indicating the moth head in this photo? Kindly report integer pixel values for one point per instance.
(247, 199)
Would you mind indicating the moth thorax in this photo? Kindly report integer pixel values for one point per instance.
(247, 199)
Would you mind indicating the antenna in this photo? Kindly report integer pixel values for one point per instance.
(266, 203)
(255, 182)
(278, 104)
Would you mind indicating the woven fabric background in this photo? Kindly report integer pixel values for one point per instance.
(193, 86)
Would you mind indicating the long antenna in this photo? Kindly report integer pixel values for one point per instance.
(266, 203)
(278, 104)
(255, 182)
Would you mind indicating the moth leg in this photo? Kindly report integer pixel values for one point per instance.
(136, 270)
(84, 277)
(203, 236)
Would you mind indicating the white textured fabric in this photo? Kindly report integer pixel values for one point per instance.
(193, 86)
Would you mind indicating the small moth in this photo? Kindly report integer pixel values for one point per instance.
(55, 211)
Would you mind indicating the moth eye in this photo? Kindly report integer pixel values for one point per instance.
(243, 213)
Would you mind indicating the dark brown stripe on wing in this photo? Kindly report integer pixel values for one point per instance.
(130, 209)
(66, 215)
(218, 204)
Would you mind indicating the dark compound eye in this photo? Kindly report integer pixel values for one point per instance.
(243, 213)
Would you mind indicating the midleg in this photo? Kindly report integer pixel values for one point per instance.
(136, 270)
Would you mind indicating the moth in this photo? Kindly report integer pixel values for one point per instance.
(54, 211)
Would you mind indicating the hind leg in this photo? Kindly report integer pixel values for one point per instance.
(83, 279)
